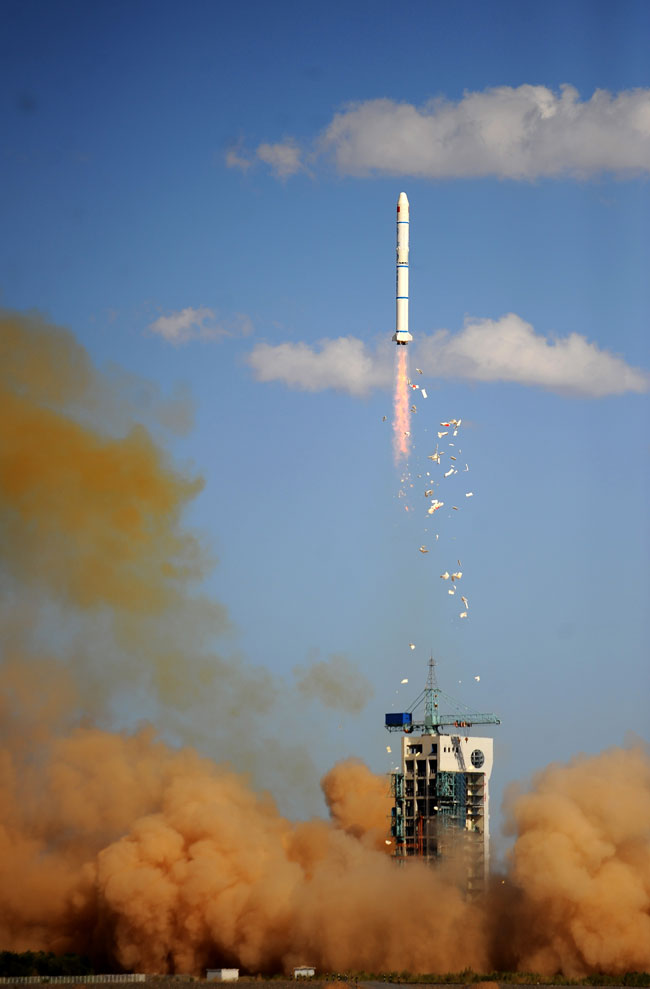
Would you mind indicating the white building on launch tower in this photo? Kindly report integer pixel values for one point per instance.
(441, 796)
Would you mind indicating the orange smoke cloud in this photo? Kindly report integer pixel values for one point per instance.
(119, 846)
(582, 861)
(158, 860)
(359, 802)
(93, 518)
(401, 410)
(161, 860)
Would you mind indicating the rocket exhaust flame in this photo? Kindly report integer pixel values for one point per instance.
(402, 412)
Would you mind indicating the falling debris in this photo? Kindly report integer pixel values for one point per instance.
(435, 505)
(384, 418)
(466, 468)
(414, 408)
(423, 392)
(419, 370)
(455, 508)
(411, 645)
(469, 494)
(428, 493)
(388, 749)
(387, 841)
(450, 456)
(440, 435)
(445, 575)
(452, 590)
(464, 600)
(423, 549)
(405, 680)
(463, 614)
(445, 424)
(457, 575)
(436, 456)
(449, 472)
(477, 678)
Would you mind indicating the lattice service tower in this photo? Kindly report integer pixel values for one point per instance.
(441, 796)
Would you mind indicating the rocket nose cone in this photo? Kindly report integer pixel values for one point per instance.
(402, 199)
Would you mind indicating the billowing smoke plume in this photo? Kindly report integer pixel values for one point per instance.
(582, 862)
(335, 682)
(156, 858)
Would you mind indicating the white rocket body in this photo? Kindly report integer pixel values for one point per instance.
(402, 335)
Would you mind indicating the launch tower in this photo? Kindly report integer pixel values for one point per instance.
(440, 791)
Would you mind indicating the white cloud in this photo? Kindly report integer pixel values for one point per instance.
(522, 132)
(283, 157)
(344, 364)
(199, 324)
(235, 160)
(506, 349)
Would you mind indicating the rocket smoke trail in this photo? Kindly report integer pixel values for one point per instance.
(401, 411)
(155, 858)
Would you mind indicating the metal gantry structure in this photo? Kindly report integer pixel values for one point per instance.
(440, 711)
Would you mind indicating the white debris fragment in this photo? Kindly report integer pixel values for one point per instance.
(463, 614)
(464, 600)
(445, 575)
(477, 679)
(428, 493)
(388, 748)
(423, 549)
(452, 590)
(449, 472)
(387, 841)
(405, 680)
(440, 435)
(435, 505)
(411, 645)
(445, 424)
(423, 392)
(384, 418)
(419, 370)
(466, 468)
(457, 575)
(469, 494)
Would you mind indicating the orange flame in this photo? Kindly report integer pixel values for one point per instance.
(402, 414)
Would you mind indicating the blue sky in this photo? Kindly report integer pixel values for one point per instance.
(187, 187)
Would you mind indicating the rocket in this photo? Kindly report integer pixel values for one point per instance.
(402, 335)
